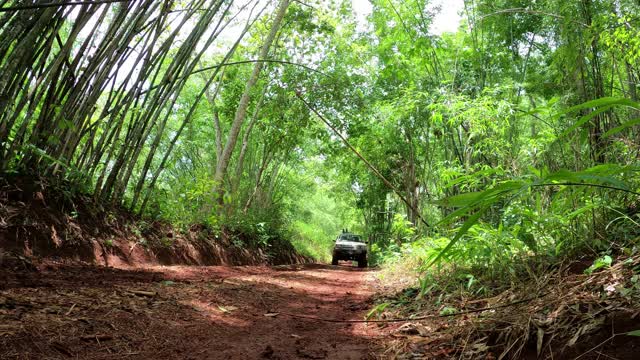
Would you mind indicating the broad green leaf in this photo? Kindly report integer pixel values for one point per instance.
(605, 101)
(605, 169)
(584, 119)
(475, 176)
(508, 186)
(625, 125)
(483, 199)
(561, 175)
(634, 333)
(463, 230)
(601, 105)
(601, 180)
(581, 211)
(465, 199)
(593, 175)
(599, 264)
(376, 310)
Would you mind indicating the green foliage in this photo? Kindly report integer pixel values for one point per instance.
(634, 333)
(378, 309)
(600, 105)
(320, 210)
(513, 138)
(402, 230)
(599, 263)
(448, 311)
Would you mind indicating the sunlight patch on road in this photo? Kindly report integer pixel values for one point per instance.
(217, 313)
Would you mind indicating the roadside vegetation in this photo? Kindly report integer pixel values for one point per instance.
(497, 162)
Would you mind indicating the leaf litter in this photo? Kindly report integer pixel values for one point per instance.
(571, 314)
(89, 312)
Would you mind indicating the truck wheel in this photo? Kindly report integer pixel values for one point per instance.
(334, 260)
(362, 263)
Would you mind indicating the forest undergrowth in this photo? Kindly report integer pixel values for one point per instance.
(574, 306)
(497, 294)
(52, 221)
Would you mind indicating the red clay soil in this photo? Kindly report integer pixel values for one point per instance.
(183, 312)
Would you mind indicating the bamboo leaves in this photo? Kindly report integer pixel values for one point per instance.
(598, 107)
(471, 206)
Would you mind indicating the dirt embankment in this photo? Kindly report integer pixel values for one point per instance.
(182, 312)
(46, 223)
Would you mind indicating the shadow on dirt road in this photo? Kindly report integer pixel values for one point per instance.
(184, 312)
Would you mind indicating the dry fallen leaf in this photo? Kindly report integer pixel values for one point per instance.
(227, 309)
(415, 329)
(540, 334)
(422, 330)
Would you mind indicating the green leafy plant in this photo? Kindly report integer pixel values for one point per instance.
(378, 309)
(599, 263)
(448, 311)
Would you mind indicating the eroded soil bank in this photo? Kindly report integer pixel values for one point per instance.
(46, 223)
(183, 312)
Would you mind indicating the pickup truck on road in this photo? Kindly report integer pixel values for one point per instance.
(350, 246)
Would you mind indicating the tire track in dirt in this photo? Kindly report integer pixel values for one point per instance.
(185, 312)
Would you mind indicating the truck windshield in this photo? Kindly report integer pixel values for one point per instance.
(351, 237)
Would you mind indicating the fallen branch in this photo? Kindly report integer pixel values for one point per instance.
(143, 293)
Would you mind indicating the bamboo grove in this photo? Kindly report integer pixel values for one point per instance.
(73, 102)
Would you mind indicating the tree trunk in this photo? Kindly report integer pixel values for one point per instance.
(235, 183)
(241, 111)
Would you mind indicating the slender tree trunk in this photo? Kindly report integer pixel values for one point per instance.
(241, 111)
(235, 182)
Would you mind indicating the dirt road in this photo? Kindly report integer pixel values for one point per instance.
(185, 313)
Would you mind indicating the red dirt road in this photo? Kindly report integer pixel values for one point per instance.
(67, 312)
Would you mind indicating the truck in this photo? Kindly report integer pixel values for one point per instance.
(350, 246)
